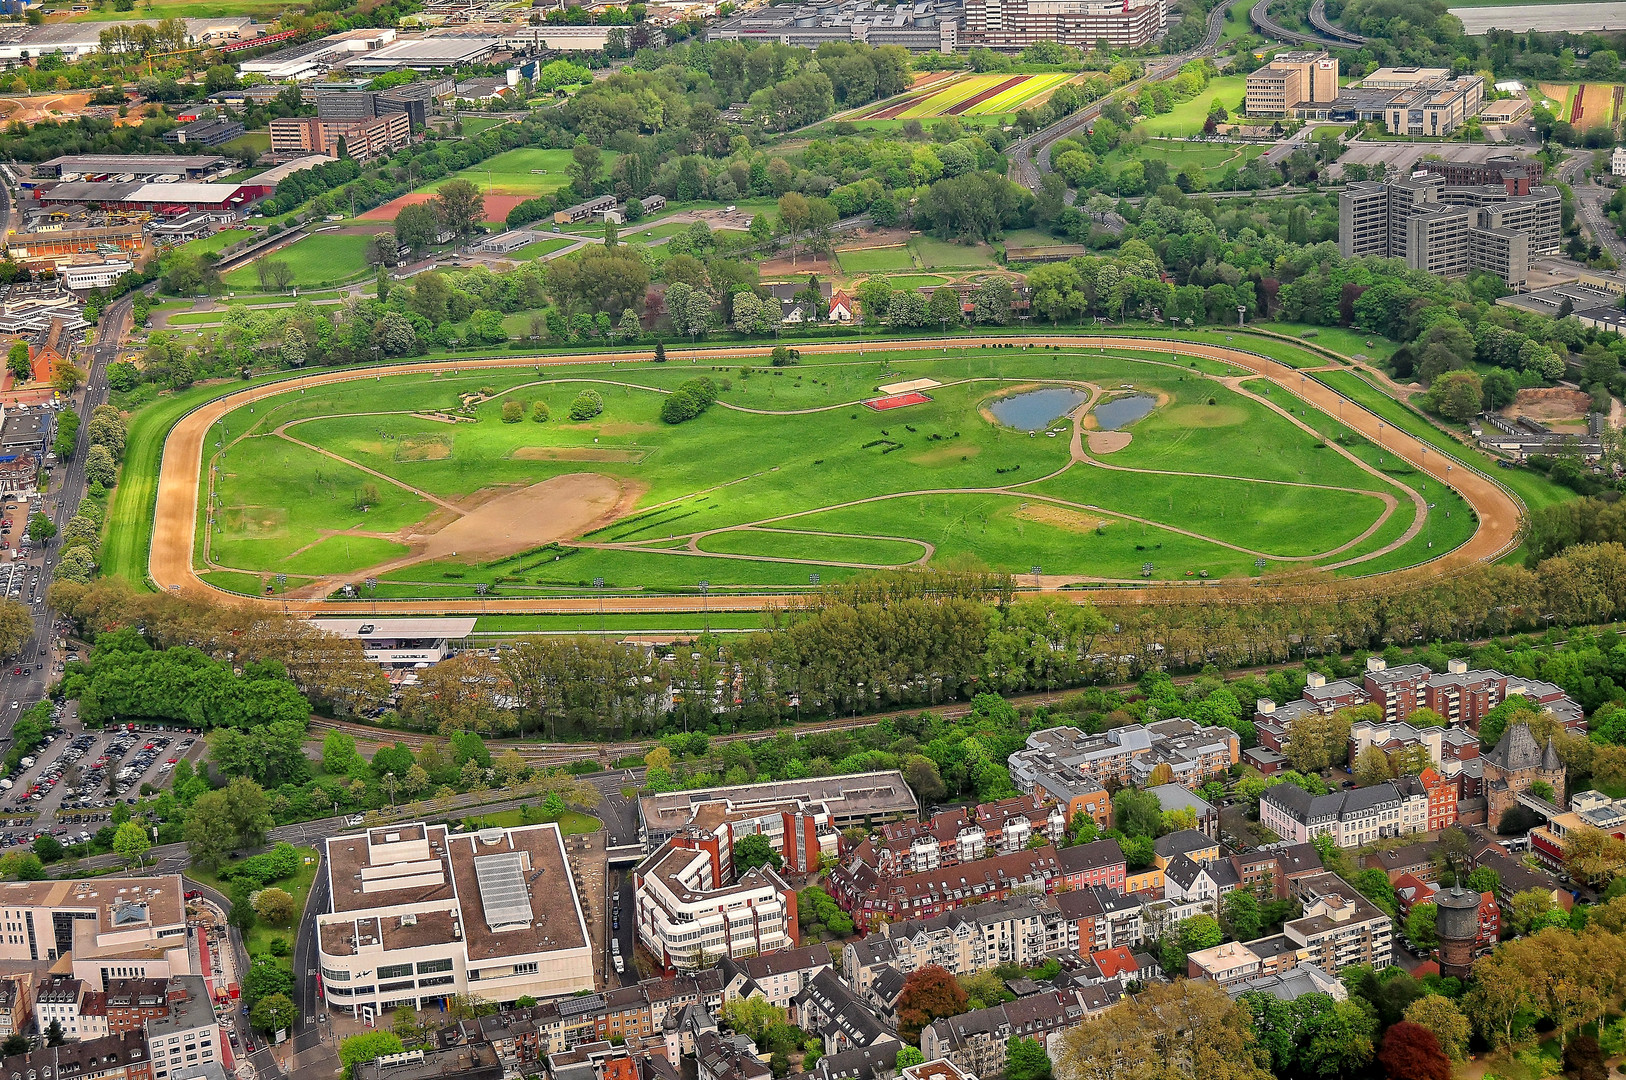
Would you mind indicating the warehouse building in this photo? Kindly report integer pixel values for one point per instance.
(130, 166)
(922, 26)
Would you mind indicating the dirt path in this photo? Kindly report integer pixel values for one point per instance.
(175, 517)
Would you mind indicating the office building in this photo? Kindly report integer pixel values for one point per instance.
(209, 132)
(1437, 109)
(1291, 79)
(1127, 755)
(1352, 818)
(417, 914)
(1503, 252)
(1016, 24)
(361, 140)
(113, 927)
(926, 26)
(187, 1035)
(1437, 240)
(1517, 175)
(1403, 78)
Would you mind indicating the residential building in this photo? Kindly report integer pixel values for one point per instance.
(584, 211)
(1351, 818)
(113, 927)
(1225, 964)
(727, 1057)
(975, 1041)
(1617, 161)
(692, 908)
(1099, 918)
(417, 914)
(1413, 860)
(188, 1035)
(845, 1021)
(132, 1002)
(111, 1057)
(1127, 755)
(961, 835)
(1291, 78)
(776, 977)
(1339, 927)
(860, 1063)
(1447, 747)
(1016, 24)
(1100, 862)
(866, 894)
(56, 1001)
(1292, 983)
(1017, 930)
(16, 1005)
(1187, 881)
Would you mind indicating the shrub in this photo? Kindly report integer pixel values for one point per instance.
(512, 412)
(587, 405)
(539, 412)
(689, 400)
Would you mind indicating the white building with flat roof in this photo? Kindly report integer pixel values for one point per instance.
(401, 643)
(114, 927)
(417, 914)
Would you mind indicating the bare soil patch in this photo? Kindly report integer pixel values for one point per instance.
(578, 453)
(942, 455)
(1108, 442)
(423, 448)
(1060, 517)
(518, 519)
(254, 522)
(806, 263)
(1549, 403)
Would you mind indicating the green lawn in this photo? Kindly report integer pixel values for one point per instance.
(916, 281)
(474, 125)
(299, 886)
(539, 248)
(617, 624)
(258, 141)
(284, 508)
(1213, 158)
(876, 260)
(214, 242)
(264, 10)
(1186, 118)
(1237, 24)
(526, 172)
(934, 254)
(1339, 339)
(196, 318)
(323, 258)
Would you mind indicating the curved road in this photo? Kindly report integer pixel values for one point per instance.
(175, 520)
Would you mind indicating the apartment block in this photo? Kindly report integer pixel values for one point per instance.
(1016, 24)
(1539, 215)
(1339, 928)
(860, 799)
(111, 1057)
(867, 895)
(1351, 818)
(1099, 918)
(1127, 755)
(1290, 79)
(777, 977)
(1449, 748)
(962, 835)
(417, 914)
(16, 1005)
(188, 1036)
(691, 908)
(1018, 930)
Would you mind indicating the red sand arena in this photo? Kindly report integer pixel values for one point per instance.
(497, 206)
(897, 401)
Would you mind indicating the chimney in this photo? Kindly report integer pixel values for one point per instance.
(1316, 679)
(1264, 706)
(1457, 667)
(1376, 663)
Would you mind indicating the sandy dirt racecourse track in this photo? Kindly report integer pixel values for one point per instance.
(170, 561)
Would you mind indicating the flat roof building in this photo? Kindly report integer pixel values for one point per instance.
(850, 800)
(418, 914)
(114, 927)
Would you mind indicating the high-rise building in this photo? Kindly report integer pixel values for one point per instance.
(1363, 220)
(1437, 240)
(1016, 24)
(1290, 80)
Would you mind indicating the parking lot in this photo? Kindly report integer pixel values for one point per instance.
(71, 783)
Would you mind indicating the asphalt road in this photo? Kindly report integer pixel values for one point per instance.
(1590, 200)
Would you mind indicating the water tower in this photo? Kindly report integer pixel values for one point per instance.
(1456, 922)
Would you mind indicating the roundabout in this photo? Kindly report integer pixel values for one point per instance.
(466, 486)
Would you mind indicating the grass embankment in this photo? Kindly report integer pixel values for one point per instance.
(259, 938)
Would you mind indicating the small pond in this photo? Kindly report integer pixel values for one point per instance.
(1034, 409)
(1121, 412)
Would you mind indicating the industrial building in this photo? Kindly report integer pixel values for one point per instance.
(167, 200)
(209, 132)
(1016, 24)
(417, 914)
(921, 26)
(425, 54)
(1292, 79)
(1449, 230)
(130, 166)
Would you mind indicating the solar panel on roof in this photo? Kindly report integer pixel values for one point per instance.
(501, 880)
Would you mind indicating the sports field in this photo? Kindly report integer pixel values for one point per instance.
(967, 95)
(789, 476)
(318, 259)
